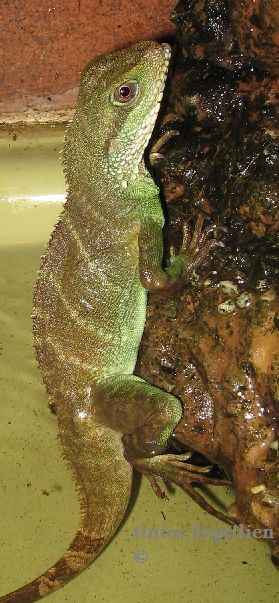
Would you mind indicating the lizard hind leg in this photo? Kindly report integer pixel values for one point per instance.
(147, 416)
(144, 413)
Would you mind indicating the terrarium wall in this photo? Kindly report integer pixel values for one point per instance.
(45, 44)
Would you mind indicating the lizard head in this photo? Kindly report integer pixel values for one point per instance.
(118, 103)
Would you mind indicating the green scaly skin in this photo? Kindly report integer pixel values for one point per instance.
(90, 300)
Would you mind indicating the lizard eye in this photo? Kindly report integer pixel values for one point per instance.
(125, 93)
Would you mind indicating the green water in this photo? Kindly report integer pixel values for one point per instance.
(38, 505)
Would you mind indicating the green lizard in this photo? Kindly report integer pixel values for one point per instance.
(90, 300)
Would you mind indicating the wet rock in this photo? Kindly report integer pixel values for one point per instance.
(220, 158)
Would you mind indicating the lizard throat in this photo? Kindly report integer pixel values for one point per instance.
(125, 153)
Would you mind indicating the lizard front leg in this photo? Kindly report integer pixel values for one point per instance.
(192, 253)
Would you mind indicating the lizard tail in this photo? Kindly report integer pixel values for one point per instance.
(103, 480)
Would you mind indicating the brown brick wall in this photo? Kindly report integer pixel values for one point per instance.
(44, 44)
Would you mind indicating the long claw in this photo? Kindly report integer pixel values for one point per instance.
(186, 237)
(204, 504)
(164, 137)
(153, 157)
(155, 487)
(156, 147)
(172, 251)
(197, 235)
(170, 117)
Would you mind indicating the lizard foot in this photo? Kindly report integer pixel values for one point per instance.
(155, 152)
(176, 469)
(198, 246)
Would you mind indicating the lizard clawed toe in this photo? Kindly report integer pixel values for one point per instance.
(198, 246)
(170, 466)
(174, 468)
(155, 486)
(155, 152)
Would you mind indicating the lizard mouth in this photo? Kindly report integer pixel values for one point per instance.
(144, 132)
(126, 158)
